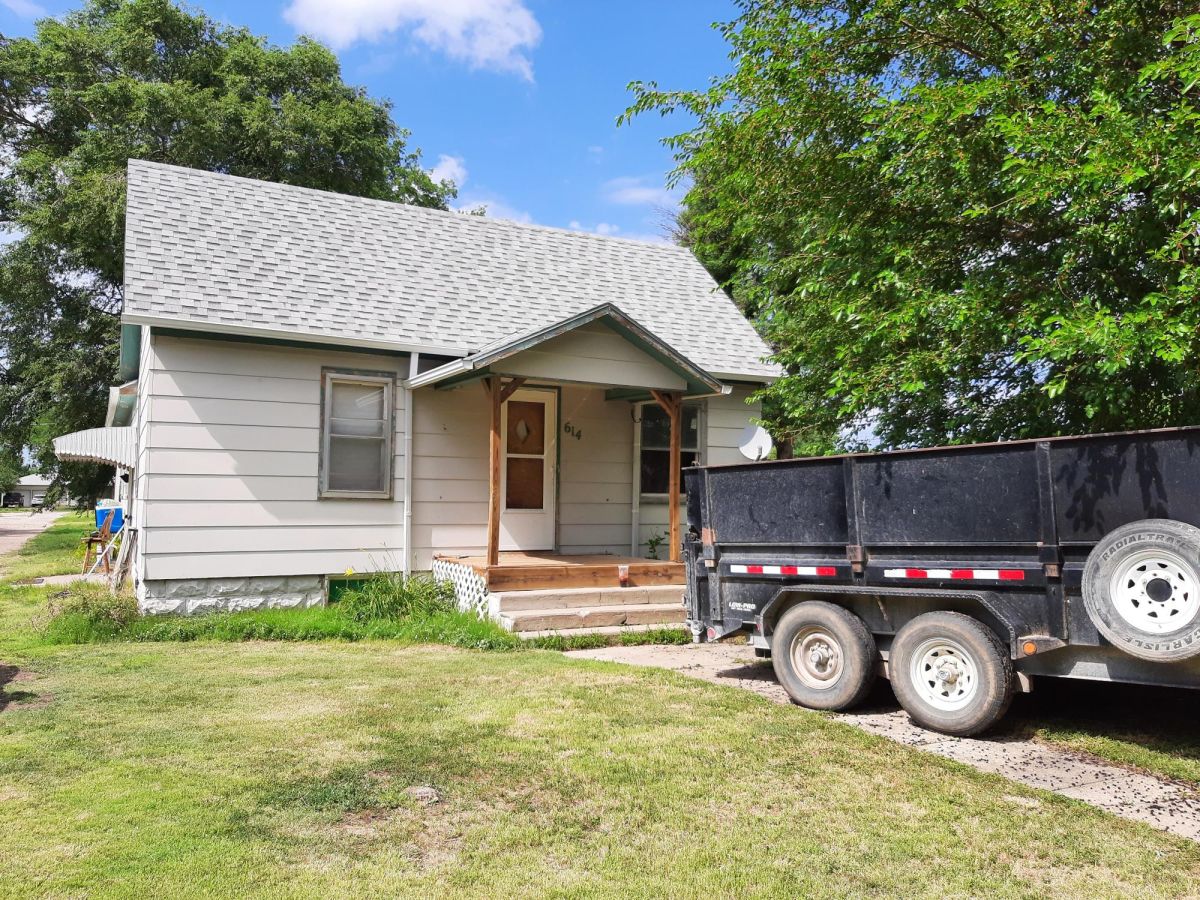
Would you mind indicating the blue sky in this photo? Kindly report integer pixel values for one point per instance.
(517, 99)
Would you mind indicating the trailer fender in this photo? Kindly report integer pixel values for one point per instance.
(1015, 622)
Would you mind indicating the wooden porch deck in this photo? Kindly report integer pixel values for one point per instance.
(524, 571)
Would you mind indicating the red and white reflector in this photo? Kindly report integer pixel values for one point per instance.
(822, 571)
(958, 574)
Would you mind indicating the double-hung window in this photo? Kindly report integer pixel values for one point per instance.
(356, 435)
(656, 445)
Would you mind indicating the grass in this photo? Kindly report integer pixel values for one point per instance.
(167, 764)
(1149, 728)
(267, 770)
(55, 551)
(90, 614)
(361, 762)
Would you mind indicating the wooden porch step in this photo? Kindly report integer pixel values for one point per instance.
(600, 629)
(521, 620)
(547, 577)
(558, 598)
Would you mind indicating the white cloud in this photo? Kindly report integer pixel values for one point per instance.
(635, 191)
(493, 208)
(595, 152)
(485, 34)
(603, 228)
(26, 9)
(450, 168)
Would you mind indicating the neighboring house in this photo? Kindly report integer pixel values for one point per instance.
(28, 489)
(317, 384)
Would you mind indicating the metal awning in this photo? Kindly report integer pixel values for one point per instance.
(113, 446)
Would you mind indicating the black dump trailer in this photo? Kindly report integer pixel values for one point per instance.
(959, 573)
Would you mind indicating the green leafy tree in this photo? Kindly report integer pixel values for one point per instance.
(956, 220)
(11, 471)
(147, 79)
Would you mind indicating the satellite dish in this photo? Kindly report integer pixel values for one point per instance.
(755, 443)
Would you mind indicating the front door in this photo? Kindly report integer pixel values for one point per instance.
(527, 477)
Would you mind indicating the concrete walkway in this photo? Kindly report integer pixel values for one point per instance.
(17, 528)
(1132, 795)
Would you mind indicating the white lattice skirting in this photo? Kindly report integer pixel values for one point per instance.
(469, 586)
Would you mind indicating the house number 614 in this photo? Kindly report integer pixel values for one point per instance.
(571, 430)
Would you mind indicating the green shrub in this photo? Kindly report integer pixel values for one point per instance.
(320, 623)
(393, 596)
(415, 609)
(85, 613)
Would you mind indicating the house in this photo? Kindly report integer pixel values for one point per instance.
(27, 490)
(316, 384)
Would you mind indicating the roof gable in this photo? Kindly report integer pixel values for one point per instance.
(598, 346)
(219, 253)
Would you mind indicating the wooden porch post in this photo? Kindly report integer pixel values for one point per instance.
(493, 533)
(672, 404)
(498, 392)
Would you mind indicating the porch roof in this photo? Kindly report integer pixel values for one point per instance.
(113, 446)
(497, 358)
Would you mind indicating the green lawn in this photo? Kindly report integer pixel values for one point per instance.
(55, 551)
(382, 768)
(260, 769)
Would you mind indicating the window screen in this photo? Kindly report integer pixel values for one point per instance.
(656, 445)
(356, 439)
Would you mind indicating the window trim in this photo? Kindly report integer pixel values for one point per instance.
(701, 450)
(355, 376)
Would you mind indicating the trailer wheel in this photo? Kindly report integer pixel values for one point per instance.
(824, 656)
(1141, 588)
(951, 673)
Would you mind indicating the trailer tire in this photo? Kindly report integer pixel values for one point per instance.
(1141, 589)
(824, 656)
(951, 673)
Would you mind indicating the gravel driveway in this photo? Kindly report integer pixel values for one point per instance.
(1132, 795)
(17, 528)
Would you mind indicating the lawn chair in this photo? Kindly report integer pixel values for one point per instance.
(97, 546)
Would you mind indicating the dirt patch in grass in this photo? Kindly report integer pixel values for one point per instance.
(18, 698)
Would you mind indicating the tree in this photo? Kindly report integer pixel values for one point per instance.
(147, 79)
(956, 220)
(11, 471)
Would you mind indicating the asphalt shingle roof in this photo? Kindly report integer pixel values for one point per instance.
(208, 249)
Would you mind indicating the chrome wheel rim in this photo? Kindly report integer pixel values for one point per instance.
(944, 674)
(1155, 591)
(817, 658)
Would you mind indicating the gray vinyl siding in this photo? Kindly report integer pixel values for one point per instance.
(450, 472)
(595, 479)
(228, 441)
(141, 420)
(592, 354)
(228, 436)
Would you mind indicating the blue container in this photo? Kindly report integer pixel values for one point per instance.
(104, 512)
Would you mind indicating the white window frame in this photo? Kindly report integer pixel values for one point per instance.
(700, 451)
(329, 377)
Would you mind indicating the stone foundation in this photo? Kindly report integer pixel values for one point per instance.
(187, 596)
